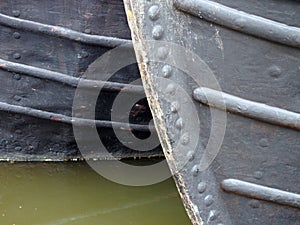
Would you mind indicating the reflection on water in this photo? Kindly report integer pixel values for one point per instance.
(72, 193)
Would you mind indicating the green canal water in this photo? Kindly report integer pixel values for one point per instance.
(73, 194)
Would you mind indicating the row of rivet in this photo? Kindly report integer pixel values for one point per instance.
(162, 53)
(157, 33)
(16, 13)
(208, 199)
(16, 35)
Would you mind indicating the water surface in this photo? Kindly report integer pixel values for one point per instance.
(72, 193)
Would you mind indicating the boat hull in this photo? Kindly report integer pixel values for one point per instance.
(235, 76)
(48, 46)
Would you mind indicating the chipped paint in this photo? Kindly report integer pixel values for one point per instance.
(219, 41)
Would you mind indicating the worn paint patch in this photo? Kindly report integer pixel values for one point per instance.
(219, 41)
(129, 15)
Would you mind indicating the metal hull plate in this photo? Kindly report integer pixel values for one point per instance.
(238, 72)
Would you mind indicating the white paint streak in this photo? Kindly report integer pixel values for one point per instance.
(219, 41)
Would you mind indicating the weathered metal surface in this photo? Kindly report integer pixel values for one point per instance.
(261, 192)
(71, 120)
(66, 79)
(255, 61)
(240, 21)
(47, 46)
(254, 110)
(59, 32)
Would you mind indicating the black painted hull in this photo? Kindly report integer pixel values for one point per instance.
(241, 165)
(46, 46)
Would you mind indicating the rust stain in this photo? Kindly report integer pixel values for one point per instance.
(88, 15)
(53, 118)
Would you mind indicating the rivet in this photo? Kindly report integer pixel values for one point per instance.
(254, 204)
(264, 142)
(16, 35)
(17, 98)
(195, 170)
(258, 175)
(179, 123)
(18, 148)
(240, 23)
(17, 76)
(16, 13)
(3, 141)
(201, 187)
(174, 107)
(167, 71)
(87, 31)
(84, 54)
(170, 89)
(208, 200)
(17, 56)
(157, 32)
(172, 136)
(153, 12)
(18, 132)
(213, 215)
(190, 155)
(162, 53)
(275, 71)
(185, 139)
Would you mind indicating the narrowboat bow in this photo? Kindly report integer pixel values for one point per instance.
(221, 78)
(222, 81)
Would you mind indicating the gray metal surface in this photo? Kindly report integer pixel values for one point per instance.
(253, 178)
(46, 48)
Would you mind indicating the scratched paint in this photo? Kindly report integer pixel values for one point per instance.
(72, 193)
